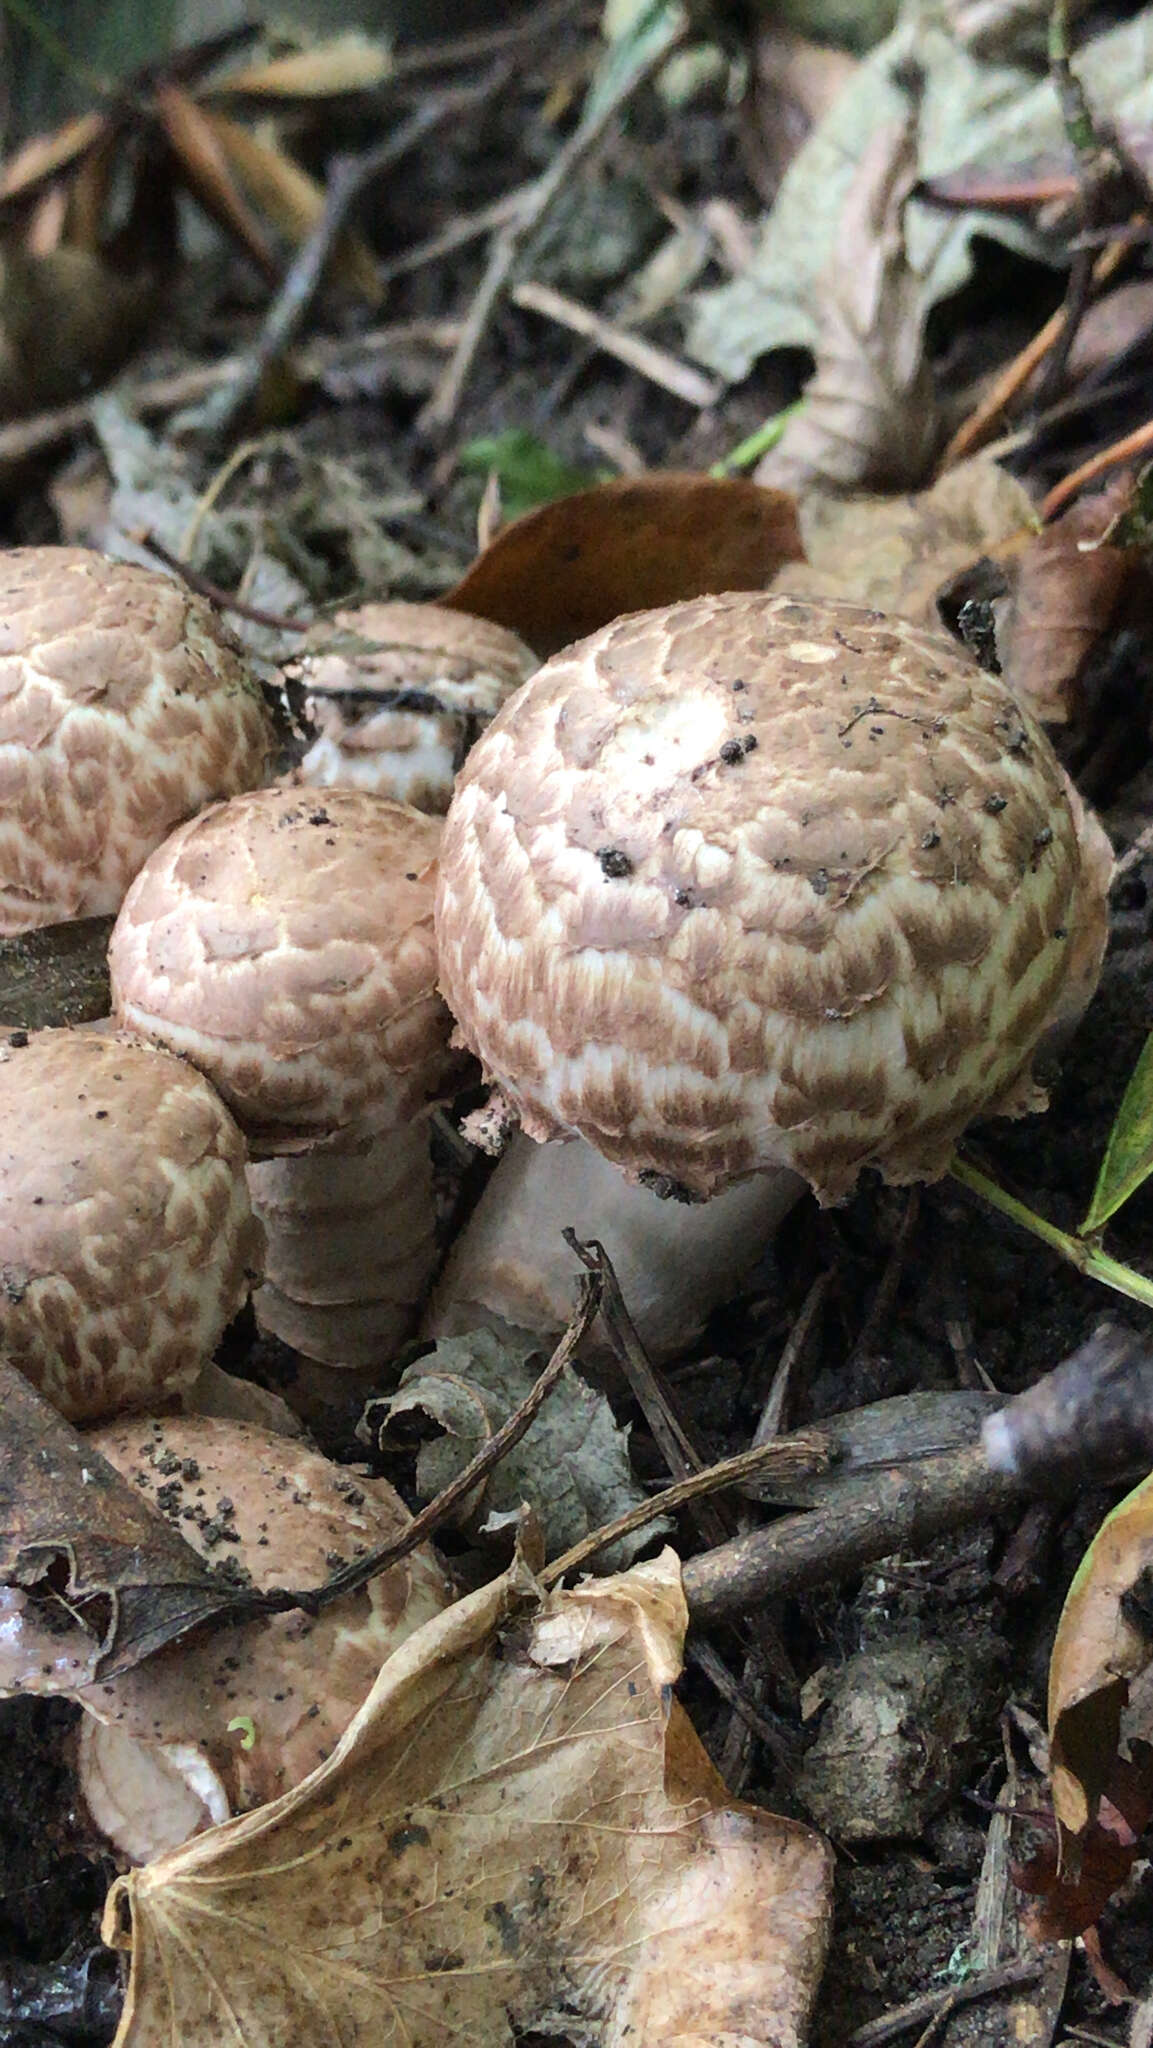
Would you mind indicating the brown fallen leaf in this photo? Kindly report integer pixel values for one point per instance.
(1065, 584)
(520, 1829)
(870, 414)
(78, 1539)
(896, 553)
(571, 566)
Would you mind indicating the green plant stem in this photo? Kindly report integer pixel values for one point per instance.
(55, 48)
(757, 444)
(1079, 1251)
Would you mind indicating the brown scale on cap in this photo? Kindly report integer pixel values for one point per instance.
(124, 706)
(398, 693)
(751, 881)
(127, 1239)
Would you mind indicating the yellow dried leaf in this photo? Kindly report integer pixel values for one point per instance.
(519, 1824)
(347, 63)
(293, 201)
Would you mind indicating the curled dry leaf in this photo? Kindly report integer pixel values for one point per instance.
(571, 1465)
(571, 566)
(870, 415)
(896, 553)
(76, 1542)
(519, 1830)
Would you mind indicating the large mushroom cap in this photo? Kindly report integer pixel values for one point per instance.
(283, 942)
(124, 706)
(751, 881)
(398, 693)
(127, 1239)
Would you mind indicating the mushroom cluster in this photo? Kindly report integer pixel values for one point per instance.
(124, 706)
(750, 885)
(283, 944)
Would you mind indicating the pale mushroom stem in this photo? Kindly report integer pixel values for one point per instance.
(675, 1261)
(350, 1229)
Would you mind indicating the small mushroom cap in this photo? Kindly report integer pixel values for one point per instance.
(127, 1239)
(398, 693)
(124, 706)
(272, 1513)
(751, 881)
(283, 942)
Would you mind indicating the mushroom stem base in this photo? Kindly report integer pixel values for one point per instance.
(675, 1262)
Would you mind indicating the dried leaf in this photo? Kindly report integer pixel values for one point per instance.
(571, 1466)
(519, 1830)
(205, 166)
(1128, 1158)
(896, 553)
(293, 202)
(1102, 1642)
(45, 156)
(1065, 584)
(976, 115)
(352, 62)
(570, 567)
(870, 414)
(76, 1537)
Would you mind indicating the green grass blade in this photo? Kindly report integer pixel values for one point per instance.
(1128, 1156)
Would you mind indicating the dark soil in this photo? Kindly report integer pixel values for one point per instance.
(968, 1286)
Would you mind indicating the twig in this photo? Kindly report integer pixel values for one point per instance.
(347, 178)
(803, 1453)
(362, 1569)
(984, 422)
(1092, 1418)
(22, 438)
(779, 1739)
(457, 235)
(1010, 1976)
(212, 591)
(901, 1508)
(657, 364)
(1139, 442)
(538, 199)
(772, 1413)
(453, 51)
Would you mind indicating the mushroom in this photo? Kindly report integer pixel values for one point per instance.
(124, 706)
(127, 1239)
(283, 943)
(750, 885)
(220, 1722)
(398, 693)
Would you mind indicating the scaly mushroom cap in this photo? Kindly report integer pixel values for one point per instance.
(749, 881)
(283, 942)
(399, 692)
(127, 1239)
(124, 706)
(159, 1760)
